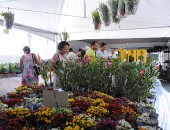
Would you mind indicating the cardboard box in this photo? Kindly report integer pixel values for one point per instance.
(54, 98)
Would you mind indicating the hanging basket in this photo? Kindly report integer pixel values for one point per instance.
(8, 19)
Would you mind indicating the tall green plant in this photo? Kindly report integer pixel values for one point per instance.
(135, 80)
(104, 11)
(132, 80)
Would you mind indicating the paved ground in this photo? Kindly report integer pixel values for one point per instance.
(166, 85)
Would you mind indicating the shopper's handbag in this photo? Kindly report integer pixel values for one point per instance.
(36, 68)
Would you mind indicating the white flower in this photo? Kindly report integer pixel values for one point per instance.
(123, 125)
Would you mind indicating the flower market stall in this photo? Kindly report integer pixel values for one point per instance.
(90, 106)
(104, 95)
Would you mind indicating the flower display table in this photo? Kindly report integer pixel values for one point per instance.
(8, 75)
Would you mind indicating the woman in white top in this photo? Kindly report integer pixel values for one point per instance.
(59, 57)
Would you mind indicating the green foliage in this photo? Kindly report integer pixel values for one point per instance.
(46, 74)
(113, 6)
(132, 80)
(105, 14)
(96, 17)
(64, 36)
(5, 68)
(135, 80)
(8, 17)
(9, 68)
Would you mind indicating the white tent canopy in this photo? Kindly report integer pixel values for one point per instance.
(49, 17)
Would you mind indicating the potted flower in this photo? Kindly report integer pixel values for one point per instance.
(105, 14)
(96, 19)
(8, 19)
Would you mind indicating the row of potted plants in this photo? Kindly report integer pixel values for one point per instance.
(9, 68)
(132, 80)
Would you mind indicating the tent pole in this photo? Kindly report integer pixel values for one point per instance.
(56, 42)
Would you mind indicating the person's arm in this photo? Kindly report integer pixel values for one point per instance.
(37, 59)
(54, 61)
(21, 63)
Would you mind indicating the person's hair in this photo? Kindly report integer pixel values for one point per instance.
(62, 44)
(102, 44)
(26, 49)
(93, 43)
(112, 48)
(70, 49)
(83, 52)
(79, 49)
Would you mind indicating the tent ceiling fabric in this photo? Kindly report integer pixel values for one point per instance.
(151, 20)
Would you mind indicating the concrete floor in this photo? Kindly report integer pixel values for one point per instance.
(166, 85)
(9, 84)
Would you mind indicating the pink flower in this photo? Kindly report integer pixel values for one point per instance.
(109, 63)
(141, 72)
(88, 59)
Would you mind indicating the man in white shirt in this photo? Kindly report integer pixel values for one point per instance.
(72, 57)
(102, 53)
(112, 54)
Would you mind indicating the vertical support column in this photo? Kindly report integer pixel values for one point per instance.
(56, 41)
